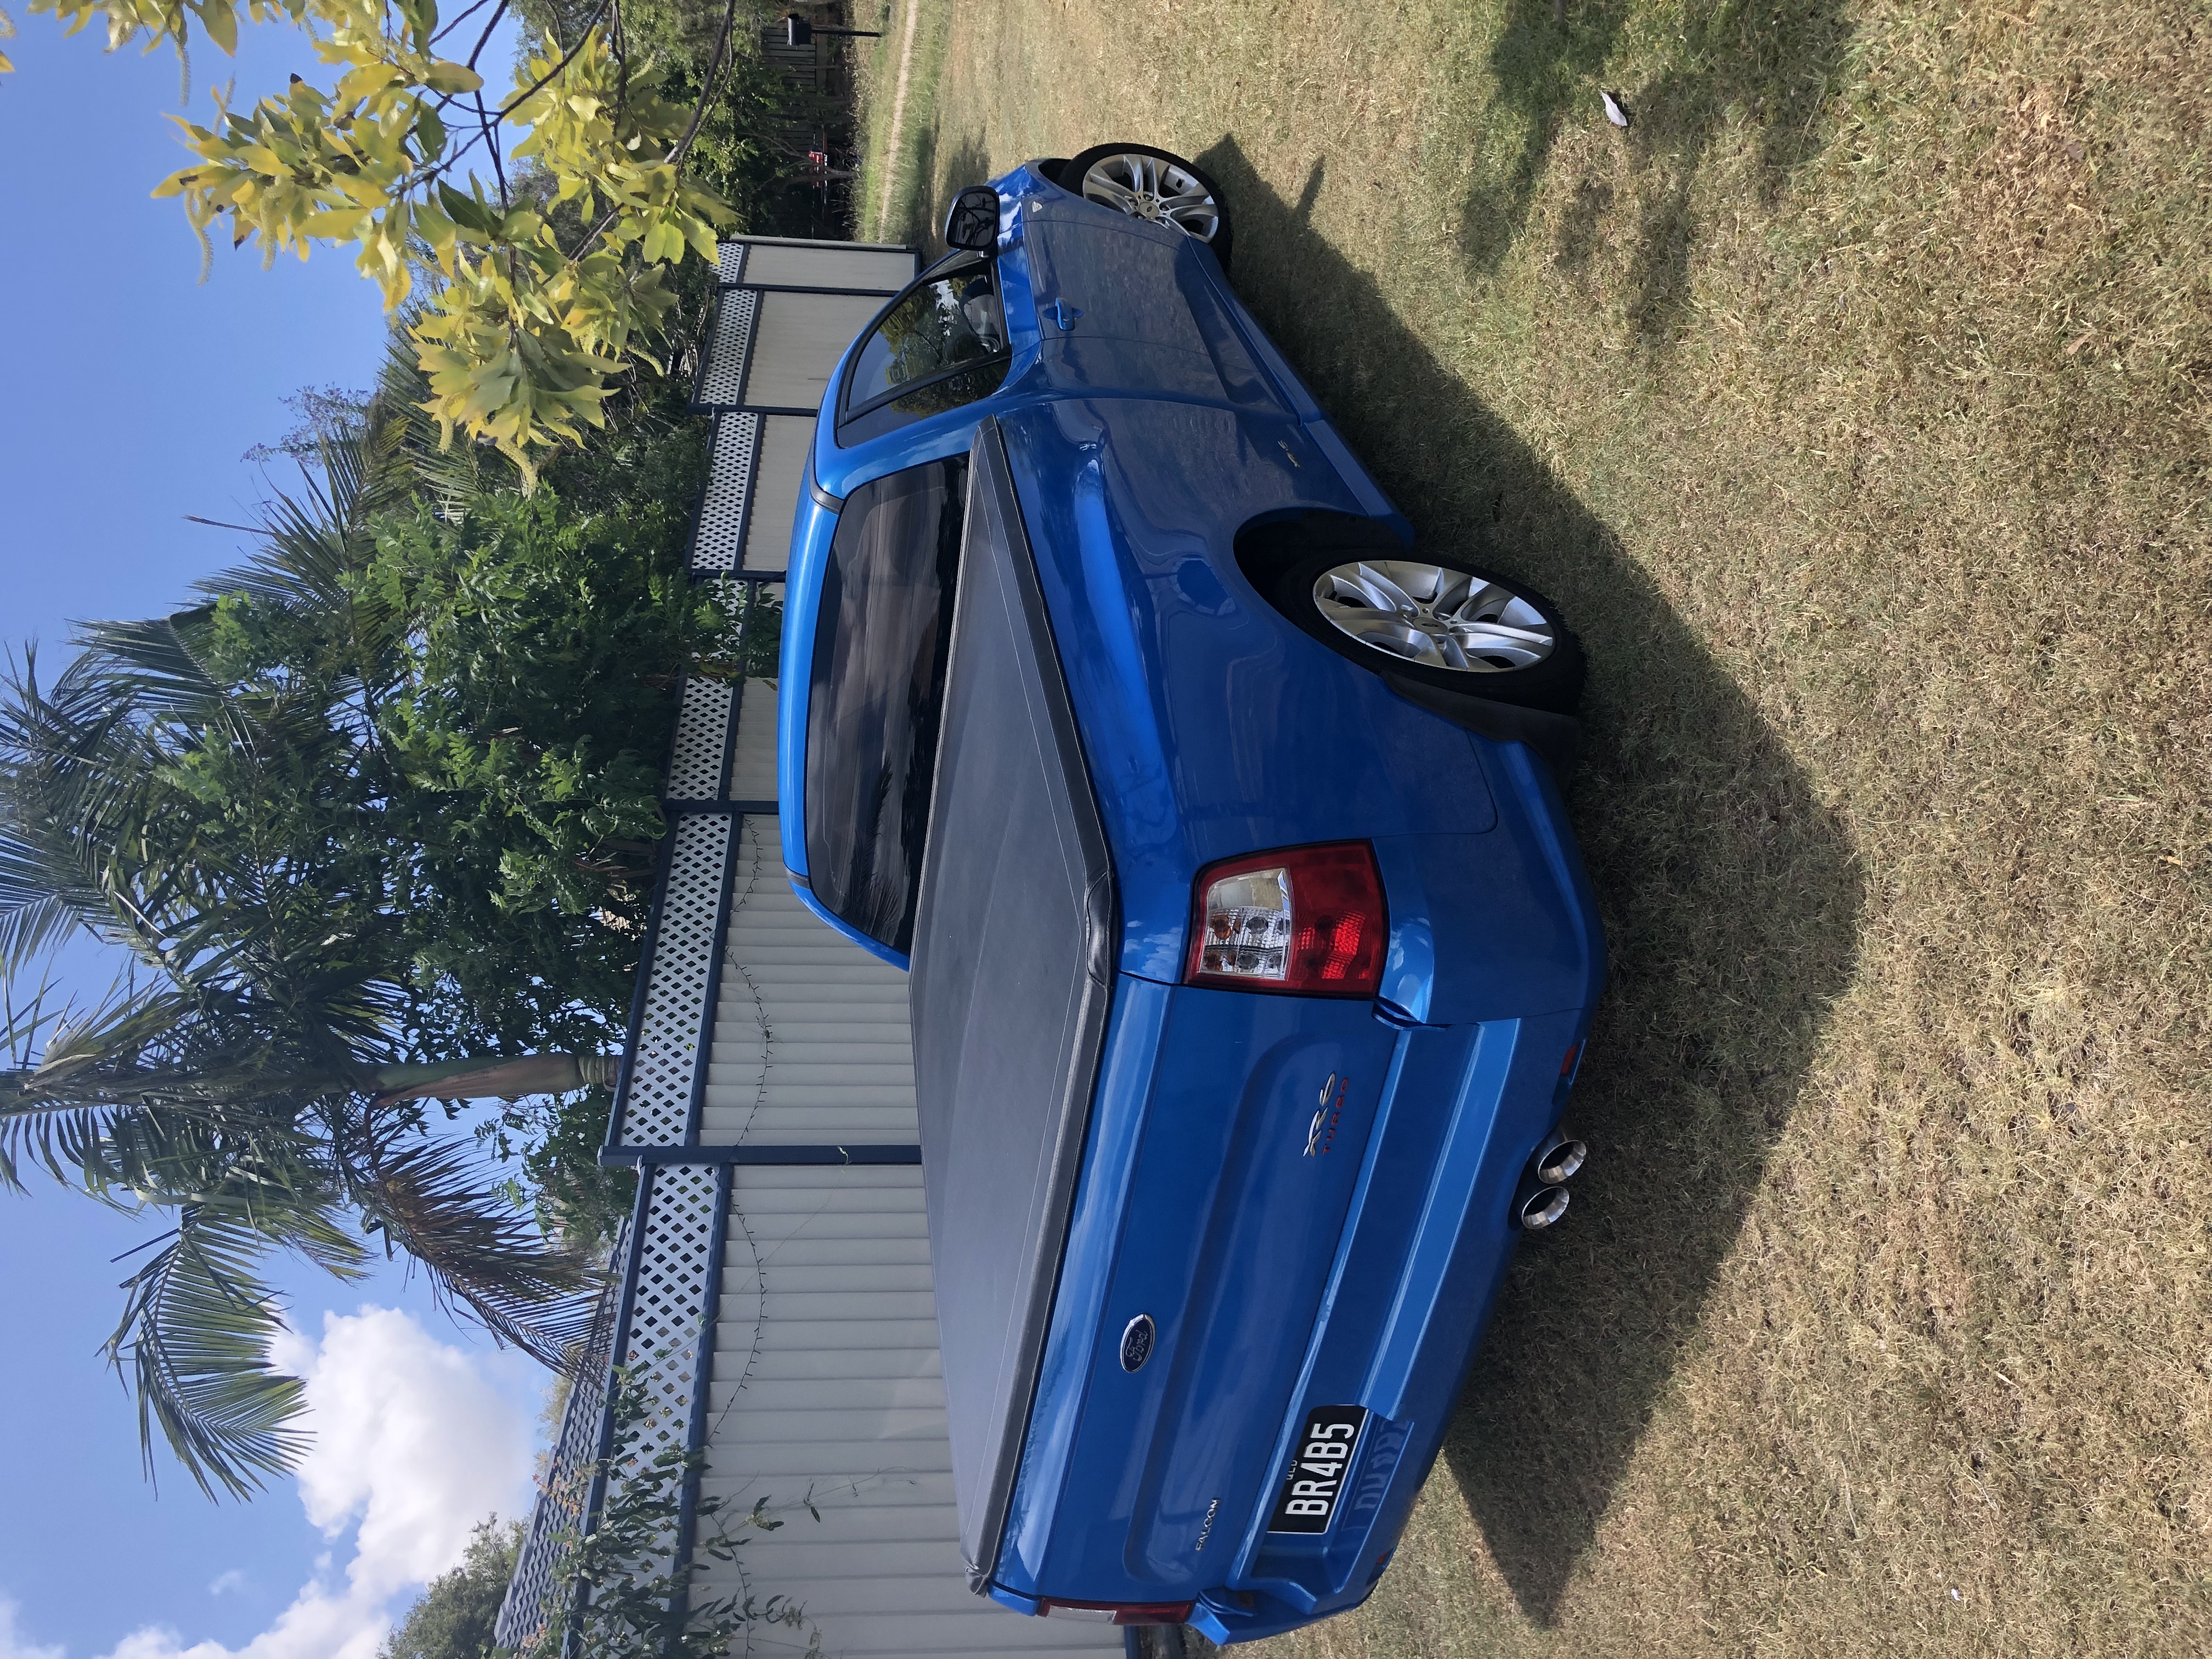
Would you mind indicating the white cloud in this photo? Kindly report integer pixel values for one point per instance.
(318, 1624)
(13, 1643)
(411, 1441)
(226, 1581)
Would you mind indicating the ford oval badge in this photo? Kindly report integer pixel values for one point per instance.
(1137, 1342)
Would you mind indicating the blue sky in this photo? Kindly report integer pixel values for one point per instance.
(128, 391)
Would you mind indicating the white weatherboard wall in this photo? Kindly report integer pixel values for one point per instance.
(828, 1336)
(797, 342)
(781, 1313)
(810, 1044)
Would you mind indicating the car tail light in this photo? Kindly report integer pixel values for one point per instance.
(1308, 920)
(1116, 1613)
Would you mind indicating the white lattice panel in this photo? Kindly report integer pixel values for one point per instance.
(812, 1044)
(533, 1596)
(730, 267)
(668, 1316)
(701, 751)
(719, 538)
(752, 767)
(657, 1091)
(723, 382)
(668, 1309)
(826, 1389)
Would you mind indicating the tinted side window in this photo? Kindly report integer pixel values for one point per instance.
(943, 344)
(876, 693)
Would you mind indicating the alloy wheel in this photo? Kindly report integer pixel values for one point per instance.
(1149, 187)
(1434, 615)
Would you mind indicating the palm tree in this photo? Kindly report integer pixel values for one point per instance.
(259, 1074)
(187, 1103)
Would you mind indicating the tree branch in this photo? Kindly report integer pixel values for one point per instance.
(464, 18)
(491, 136)
(706, 87)
(484, 40)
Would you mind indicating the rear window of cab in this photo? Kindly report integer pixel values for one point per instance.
(876, 694)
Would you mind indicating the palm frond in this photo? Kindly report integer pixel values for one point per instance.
(57, 1108)
(313, 540)
(430, 1199)
(194, 1339)
(157, 664)
(71, 782)
(30, 927)
(162, 1095)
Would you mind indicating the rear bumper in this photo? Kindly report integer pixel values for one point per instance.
(1158, 1487)
(1416, 1273)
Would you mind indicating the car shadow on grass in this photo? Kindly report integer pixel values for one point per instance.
(1731, 898)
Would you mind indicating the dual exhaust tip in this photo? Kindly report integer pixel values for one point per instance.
(1542, 1200)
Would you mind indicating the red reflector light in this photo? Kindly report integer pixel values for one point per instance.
(1574, 1054)
(1306, 920)
(1150, 1612)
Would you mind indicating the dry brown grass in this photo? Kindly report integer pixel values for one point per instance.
(1856, 403)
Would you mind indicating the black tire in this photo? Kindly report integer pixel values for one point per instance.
(1554, 684)
(1071, 175)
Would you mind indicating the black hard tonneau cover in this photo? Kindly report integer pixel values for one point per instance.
(1013, 972)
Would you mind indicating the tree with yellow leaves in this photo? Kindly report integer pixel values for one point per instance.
(522, 330)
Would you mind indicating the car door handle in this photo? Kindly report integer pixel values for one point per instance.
(1062, 314)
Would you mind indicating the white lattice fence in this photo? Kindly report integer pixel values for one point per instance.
(533, 1594)
(661, 1078)
(723, 383)
(718, 543)
(673, 1269)
(700, 750)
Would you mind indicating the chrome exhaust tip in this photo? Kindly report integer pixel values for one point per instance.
(1557, 1159)
(1540, 1209)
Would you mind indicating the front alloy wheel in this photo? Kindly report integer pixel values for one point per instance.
(1152, 184)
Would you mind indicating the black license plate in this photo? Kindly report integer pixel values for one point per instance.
(1320, 1464)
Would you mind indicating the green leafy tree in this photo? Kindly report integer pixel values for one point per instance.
(432, 740)
(363, 821)
(457, 1610)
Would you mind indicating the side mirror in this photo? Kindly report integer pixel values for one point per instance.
(973, 223)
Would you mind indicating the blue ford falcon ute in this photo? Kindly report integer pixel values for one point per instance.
(1251, 956)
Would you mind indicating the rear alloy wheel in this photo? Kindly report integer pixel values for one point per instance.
(1153, 185)
(1439, 621)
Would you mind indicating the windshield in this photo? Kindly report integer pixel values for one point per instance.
(877, 688)
(949, 322)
